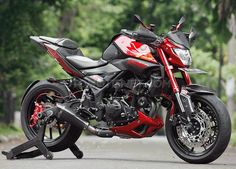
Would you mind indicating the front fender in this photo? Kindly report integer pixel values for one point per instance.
(198, 89)
(28, 89)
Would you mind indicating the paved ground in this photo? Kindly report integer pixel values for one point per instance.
(115, 153)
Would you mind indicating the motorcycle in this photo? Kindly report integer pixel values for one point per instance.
(122, 94)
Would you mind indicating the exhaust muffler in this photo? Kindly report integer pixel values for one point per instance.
(68, 115)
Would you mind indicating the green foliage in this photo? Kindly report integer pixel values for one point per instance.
(20, 62)
(233, 139)
(234, 122)
(203, 60)
(234, 130)
(92, 52)
(97, 21)
(92, 23)
(229, 71)
(9, 130)
(221, 13)
(16, 26)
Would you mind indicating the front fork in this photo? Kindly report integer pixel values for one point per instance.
(181, 96)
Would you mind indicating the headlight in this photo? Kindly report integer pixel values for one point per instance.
(184, 55)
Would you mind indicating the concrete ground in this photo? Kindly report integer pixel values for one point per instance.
(116, 153)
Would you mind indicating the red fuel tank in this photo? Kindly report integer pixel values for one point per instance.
(134, 49)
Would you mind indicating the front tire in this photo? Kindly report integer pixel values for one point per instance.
(188, 145)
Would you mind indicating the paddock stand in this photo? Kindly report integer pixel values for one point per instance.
(18, 151)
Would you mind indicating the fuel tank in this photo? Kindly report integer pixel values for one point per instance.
(129, 55)
(123, 47)
(135, 49)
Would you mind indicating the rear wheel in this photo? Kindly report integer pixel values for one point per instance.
(209, 134)
(59, 135)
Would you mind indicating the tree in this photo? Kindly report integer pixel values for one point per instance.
(18, 59)
(92, 23)
(226, 10)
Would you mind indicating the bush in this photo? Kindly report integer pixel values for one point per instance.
(233, 136)
(8, 129)
(234, 122)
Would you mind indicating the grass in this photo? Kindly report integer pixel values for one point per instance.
(233, 139)
(6, 130)
(233, 136)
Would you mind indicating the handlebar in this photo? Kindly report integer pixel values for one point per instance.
(127, 32)
(143, 36)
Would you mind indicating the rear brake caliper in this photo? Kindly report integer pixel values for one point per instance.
(34, 117)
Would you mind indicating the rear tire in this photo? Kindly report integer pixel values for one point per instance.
(222, 138)
(70, 134)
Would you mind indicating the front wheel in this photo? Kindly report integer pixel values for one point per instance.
(209, 134)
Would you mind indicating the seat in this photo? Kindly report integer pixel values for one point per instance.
(70, 51)
(82, 62)
(62, 42)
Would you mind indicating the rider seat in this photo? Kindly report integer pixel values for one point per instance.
(69, 49)
(62, 42)
(82, 62)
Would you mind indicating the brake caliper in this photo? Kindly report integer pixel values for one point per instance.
(34, 117)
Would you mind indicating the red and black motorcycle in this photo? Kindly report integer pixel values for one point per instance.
(122, 94)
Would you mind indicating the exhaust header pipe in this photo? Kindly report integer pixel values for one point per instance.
(68, 115)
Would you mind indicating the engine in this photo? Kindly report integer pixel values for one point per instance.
(119, 113)
(129, 96)
(121, 103)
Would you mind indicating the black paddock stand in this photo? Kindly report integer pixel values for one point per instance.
(18, 151)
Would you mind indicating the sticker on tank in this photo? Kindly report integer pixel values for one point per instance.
(135, 49)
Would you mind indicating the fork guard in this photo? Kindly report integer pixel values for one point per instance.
(199, 89)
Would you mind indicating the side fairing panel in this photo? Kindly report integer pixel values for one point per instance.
(136, 66)
(134, 49)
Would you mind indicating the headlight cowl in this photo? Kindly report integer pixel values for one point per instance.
(184, 55)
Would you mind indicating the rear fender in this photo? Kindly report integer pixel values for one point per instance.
(28, 89)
